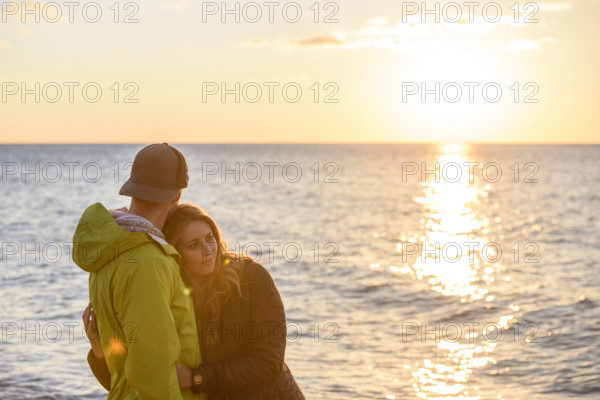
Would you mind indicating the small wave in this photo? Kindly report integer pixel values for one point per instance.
(585, 301)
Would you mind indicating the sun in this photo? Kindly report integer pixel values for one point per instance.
(451, 83)
(447, 92)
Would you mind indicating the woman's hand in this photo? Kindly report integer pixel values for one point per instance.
(184, 376)
(91, 330)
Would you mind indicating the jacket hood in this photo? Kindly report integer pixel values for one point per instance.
(103, 235)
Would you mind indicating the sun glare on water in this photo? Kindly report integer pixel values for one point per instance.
(453, 215)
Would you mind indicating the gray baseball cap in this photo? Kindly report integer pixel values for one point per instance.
(158, 173)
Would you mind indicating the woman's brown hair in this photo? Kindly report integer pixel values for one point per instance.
(210, 294)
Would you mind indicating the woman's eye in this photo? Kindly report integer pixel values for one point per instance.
(193, 245)
(210, 238)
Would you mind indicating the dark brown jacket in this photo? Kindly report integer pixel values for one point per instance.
(249, 356)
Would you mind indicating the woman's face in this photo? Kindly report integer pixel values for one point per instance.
(198, 248)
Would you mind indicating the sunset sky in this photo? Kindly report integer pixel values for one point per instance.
(376, 52)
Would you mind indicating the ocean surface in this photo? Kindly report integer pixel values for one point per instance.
(406, 271)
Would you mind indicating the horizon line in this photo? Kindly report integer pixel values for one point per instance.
(306, 143)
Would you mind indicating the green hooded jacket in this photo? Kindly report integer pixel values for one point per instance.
(144, 312)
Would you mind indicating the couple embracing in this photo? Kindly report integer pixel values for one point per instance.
(173, 314)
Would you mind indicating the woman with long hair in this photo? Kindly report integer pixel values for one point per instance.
(239, 316)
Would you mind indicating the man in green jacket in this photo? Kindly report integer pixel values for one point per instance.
(144, 312)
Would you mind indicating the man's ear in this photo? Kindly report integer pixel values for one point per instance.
(176, 199)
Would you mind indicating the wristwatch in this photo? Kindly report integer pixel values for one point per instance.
(197, 379)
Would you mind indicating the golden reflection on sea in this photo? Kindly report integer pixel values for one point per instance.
(454, 229)
(455, 259)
